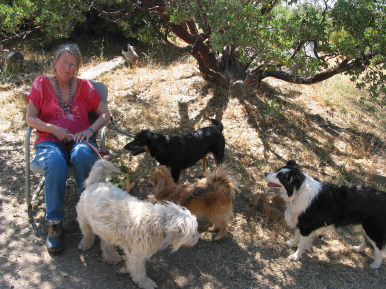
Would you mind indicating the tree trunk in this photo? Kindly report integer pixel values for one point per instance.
(225, 68)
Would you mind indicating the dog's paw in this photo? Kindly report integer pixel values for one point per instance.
(291, 243)
(359, 248)
(294, 257)
(213, 229)
(124, 270)
(147, 283)
(86, 244)
(375, 265)
(112, 259)
(217, 237)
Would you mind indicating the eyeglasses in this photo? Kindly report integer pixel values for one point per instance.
(68, 64)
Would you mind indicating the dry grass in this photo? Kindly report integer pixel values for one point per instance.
(324, 127)
(333, 138)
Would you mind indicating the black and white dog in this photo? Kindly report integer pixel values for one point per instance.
(312, 205)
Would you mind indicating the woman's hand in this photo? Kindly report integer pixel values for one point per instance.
(64, 135)
(83, 136)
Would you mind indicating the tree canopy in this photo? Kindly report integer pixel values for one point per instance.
(237, 42)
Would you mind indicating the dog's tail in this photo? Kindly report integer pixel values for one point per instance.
(101, 170)
(217, 123)
(223, 182)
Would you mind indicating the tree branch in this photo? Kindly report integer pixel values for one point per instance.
(345, 65)
(268, 7)
(206, 33)
(249, 78)
(108, 15)
(4, 37)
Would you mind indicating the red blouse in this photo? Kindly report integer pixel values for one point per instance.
(85, 100)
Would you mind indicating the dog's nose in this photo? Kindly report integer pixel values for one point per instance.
(265, 174)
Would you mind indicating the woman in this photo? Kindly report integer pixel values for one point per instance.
(58, 108)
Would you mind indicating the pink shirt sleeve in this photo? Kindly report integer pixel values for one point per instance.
(85, 100)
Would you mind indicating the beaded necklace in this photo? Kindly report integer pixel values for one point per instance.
(66, 109)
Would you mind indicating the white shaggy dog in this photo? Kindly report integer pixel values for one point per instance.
(140, 228)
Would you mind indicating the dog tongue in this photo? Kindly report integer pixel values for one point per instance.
(273, 185)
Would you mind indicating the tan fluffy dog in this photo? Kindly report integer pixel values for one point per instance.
(139, 227)
(210, 197)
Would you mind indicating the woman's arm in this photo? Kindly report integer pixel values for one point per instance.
(103, 117)
(33, 121)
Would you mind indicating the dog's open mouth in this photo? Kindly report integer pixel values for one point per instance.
(137, 152)
(274, 185)
(134, 149)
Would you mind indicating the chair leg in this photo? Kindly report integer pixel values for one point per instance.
(28, 186)
(38, 189)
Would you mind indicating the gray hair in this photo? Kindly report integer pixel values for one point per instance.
(69, 48)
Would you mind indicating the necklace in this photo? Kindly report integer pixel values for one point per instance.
(66, 109)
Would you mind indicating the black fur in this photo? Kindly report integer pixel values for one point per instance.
(180, 152)
(339, 205)
(293, 179)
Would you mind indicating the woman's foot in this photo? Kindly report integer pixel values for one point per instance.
(54, 238)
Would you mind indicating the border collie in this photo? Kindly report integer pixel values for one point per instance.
(312, 205)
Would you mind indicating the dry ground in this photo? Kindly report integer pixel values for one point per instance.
(334, 138)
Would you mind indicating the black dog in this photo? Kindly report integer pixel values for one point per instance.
(181, 152)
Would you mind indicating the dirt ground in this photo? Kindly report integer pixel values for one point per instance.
(248, 257)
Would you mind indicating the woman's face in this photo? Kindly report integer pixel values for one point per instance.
(66, 66)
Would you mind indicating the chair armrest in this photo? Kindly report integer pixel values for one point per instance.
(115, 126)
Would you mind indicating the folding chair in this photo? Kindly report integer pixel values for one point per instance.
(33, 166)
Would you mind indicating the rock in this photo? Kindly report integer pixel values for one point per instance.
(14, 62)
(104, 67)
(130, 55)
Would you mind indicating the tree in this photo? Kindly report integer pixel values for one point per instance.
(240, 42)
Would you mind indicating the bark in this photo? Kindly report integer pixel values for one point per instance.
(345, 65)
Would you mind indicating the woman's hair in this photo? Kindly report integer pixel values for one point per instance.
(69, 48)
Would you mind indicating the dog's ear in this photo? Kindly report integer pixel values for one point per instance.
(293, 180)
(160, 184)
(181, 228)
(174, 238)
(167, 241)
(166, 172)
(156, 143)
(289, 188)
(292, 163)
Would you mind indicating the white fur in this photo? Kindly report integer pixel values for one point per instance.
(140, 228)
(304, 244)
(297, 203)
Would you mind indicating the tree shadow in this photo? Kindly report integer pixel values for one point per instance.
(213, 109)
(296, 125)
(280, 122)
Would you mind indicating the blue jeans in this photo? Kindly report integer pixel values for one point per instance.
(55, 159)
